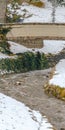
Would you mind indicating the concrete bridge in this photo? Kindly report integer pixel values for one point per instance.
(34, 33)
(43, 31)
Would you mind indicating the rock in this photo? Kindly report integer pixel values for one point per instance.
(18, 83)
(62, 128)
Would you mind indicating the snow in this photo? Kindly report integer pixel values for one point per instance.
(50, 46)
(38, 14)
(15, 115)
(17, 48)
(60, 15)
(30, 13)
(3, 56)
(59, 74)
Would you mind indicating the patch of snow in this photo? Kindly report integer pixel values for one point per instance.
(17, 48)
(33, 13)
(50, 46)
(15, 115)
(47, 3)
(59, 74)
(60, 15)
(38, 15)
(2, 72)
(3, 56)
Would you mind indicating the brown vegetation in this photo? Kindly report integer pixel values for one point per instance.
(54, 90)
(38, 4)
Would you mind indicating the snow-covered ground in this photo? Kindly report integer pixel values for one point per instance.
(60, 15)
(15, 115)
(50, 46)
(59, 74)
(29, 13)
(3, 56)
(17, 48)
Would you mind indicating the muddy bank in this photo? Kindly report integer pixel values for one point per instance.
(29, 88)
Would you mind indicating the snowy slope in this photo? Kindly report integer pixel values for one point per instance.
(3, 56)
(59, 74)
(29, 13)
(17, 48)
(50, 46)
(60, 15)
(16, 116)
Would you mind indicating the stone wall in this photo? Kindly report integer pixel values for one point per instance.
(28, 42)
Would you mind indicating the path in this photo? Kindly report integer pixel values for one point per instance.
(2, 10)
(31, 92)
(44, 31)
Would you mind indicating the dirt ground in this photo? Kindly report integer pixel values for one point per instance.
(29, 89)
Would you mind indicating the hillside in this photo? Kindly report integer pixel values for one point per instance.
(32, 80)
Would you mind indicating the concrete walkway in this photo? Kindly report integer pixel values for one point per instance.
(43, 31)
(2, 10)
(31, 92)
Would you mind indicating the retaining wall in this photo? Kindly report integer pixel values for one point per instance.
(32, 34)
(28, 42)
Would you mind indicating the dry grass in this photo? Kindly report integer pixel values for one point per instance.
(38, 4)
(54, 90)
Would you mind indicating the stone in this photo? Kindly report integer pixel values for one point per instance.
(62, 128)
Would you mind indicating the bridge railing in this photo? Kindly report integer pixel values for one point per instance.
(10, 24)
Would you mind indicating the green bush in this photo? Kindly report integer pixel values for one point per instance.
(15, 18)
(4, 47)
(4, 30)
(24, 62)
